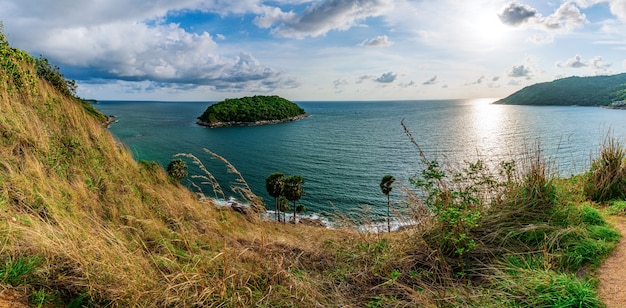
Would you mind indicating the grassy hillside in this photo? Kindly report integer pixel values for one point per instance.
(583, 91)
(82, 223)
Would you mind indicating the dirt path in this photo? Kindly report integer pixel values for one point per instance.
(612, 273)
(12, 299)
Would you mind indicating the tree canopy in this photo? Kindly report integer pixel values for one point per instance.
(250, 110)
(582, 91)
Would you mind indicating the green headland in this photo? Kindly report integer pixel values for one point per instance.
(581, 91)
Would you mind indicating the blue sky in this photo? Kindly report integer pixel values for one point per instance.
(208, 50)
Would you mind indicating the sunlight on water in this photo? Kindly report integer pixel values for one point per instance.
(487, 124)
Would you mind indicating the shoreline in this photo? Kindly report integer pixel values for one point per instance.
(256, 123)
(614, 107)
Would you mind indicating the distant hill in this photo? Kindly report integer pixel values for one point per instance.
(255, 110)
(582, 91)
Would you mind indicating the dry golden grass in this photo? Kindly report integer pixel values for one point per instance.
(110, 231)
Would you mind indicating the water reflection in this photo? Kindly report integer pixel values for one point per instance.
(494, 129)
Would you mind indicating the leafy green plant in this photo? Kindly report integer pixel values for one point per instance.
(456, 203)
(177, 169)
(53, 75)
(385, 187)
(458, 200)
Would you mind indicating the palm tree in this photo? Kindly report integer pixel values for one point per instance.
(293, 191)
(385, 187)
(177, 169)
(274, 187)
(283, 207)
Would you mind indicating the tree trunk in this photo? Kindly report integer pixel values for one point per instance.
(388, 206)
(294, 213)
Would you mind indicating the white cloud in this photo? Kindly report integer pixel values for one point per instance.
(575, 62)
(617, 7)
(431, 81)
(515, 14)
(322, 17)
(339, 83)
(379, 41)
(518, 71)
(480, 80)
(566, 18)
(274, 16)
(363, 78)
(118, 40)
(597, 63)
(387, 77)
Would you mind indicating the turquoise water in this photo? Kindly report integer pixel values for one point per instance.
(343, 149)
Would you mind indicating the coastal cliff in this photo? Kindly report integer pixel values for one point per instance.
(255, 123)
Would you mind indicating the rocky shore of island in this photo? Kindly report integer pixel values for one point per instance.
(256, 123)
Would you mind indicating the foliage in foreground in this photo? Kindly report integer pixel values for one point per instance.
(516, 231)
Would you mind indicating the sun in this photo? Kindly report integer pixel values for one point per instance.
(484, 28)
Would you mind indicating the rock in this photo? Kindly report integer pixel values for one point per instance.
(312, 222)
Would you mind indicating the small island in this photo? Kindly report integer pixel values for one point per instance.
(249, 111)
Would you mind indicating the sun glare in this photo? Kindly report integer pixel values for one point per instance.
(486, 29)
(487, 121)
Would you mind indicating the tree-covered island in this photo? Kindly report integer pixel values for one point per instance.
(248, 111)
(605, 91)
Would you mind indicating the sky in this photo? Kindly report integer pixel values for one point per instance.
(311, 50)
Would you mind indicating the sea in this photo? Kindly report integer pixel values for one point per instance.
(343, 149)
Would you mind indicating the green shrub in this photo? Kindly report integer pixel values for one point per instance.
(53, 75)
(177, 169)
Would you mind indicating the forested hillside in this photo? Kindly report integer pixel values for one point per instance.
(581, 91)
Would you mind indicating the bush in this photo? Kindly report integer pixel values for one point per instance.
(177, 169)
(53, 75)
